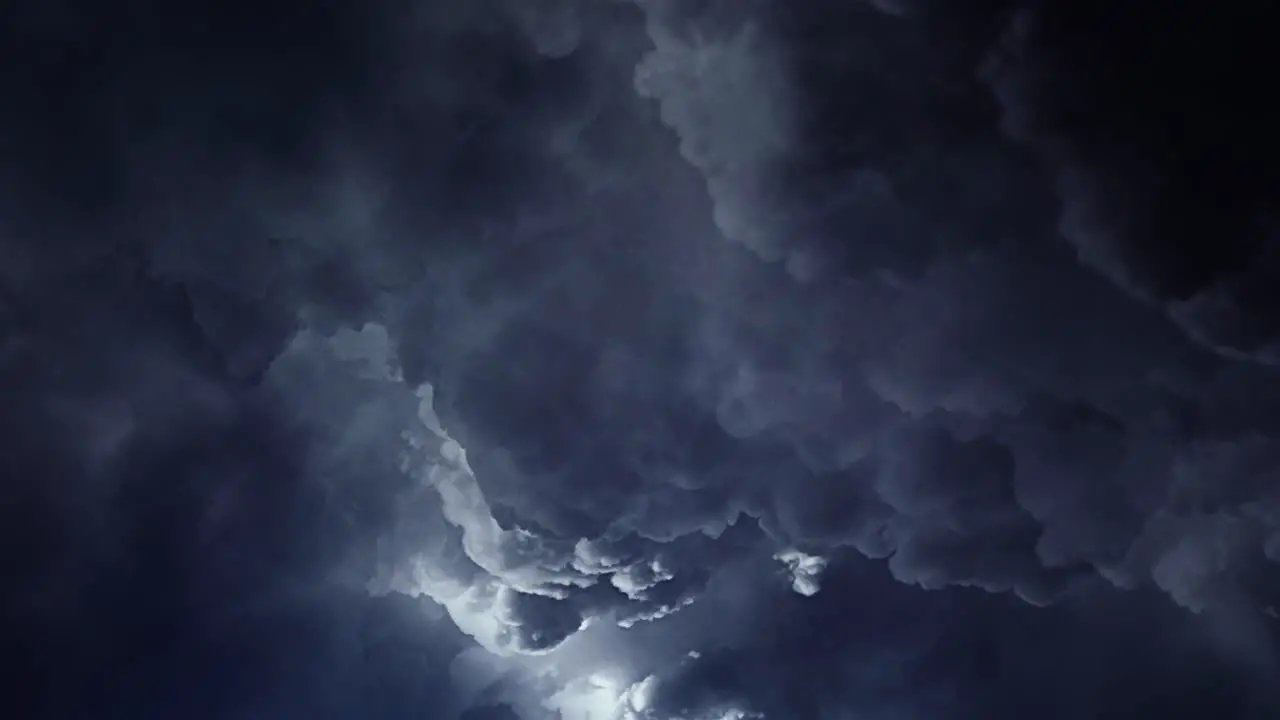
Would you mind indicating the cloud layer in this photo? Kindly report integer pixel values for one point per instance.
(640, 360)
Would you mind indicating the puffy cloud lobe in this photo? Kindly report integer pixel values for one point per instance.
(727, 101)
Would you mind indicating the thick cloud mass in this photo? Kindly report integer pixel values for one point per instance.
(640, 359)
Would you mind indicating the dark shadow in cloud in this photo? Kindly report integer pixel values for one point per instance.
(490, 712)
(892, 120)
(1157, 124)
(167, 553)
(91, 86)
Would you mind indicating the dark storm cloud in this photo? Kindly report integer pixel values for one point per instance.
(969, 335)
(636, 341)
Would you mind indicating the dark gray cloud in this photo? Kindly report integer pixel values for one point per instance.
(639, 360)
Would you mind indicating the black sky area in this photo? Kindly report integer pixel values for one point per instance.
(640, 360)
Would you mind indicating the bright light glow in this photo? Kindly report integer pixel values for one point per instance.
(806, 570)
(595, 697)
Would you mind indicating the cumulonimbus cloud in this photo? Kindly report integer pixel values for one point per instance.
(663, 363)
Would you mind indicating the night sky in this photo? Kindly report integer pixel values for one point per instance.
(640, 360)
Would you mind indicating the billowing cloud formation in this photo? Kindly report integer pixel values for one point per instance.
(639, 361)
(722, 89)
